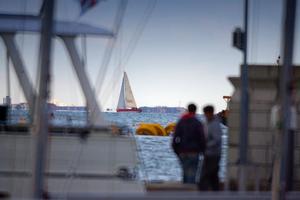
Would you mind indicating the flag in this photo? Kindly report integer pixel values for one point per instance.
(87, 4)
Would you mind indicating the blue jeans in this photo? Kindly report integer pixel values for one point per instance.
(189, 164)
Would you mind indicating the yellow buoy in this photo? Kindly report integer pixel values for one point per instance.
(170, 128)
(151, 129)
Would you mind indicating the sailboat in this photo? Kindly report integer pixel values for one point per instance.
(126, 101)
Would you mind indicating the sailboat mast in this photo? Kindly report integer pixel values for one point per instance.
(41, 114)
(124, 90)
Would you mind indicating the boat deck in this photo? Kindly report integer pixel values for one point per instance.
(186, 195)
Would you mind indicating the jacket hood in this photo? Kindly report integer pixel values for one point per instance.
(188, 115)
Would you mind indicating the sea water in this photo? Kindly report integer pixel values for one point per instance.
(157, 159)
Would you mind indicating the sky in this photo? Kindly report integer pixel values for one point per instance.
(183, 55)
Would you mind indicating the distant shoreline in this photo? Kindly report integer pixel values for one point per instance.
(145, 109)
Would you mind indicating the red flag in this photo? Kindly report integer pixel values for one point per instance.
(87, 4)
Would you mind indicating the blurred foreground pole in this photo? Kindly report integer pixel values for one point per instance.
(7, 76)
(41, 109)
(286, 88)
(244, 108)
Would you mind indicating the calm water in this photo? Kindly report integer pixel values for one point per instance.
(157, 160)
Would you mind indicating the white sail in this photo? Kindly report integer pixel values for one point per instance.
(129, 98)
(121, 103)
(126, 99)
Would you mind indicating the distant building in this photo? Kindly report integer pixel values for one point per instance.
(20, 106)
(71, 108)
(52, 106)
(162, 109)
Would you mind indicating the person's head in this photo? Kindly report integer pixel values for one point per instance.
(192, 108)
(209, 112)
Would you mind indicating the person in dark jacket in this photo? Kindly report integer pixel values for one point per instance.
(209, 173)
(188, 142)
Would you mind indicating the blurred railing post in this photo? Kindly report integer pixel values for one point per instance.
(243, 142)
(286, 73)
(41, 110)
(284, 160)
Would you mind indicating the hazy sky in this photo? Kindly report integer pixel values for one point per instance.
(185, 53)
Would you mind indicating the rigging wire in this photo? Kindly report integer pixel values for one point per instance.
(108, 53)
(131, 46)
(255, 29)
(71, 173)
(139, 31)
(107, 92)
(21, 41)
(84, 50)
(118, 72)
(110, 45)
(24, 6)
(74, 165)
(84, 53)
(252, 29)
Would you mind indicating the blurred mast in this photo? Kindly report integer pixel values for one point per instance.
(41, 111)
(244, 107)
(286, 89)
(7, 79)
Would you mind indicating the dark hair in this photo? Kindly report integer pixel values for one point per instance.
(208, 109)
(192, 108)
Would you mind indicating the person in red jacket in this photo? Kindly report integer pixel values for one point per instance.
(188, 142)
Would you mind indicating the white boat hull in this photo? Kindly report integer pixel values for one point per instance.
(75, 166)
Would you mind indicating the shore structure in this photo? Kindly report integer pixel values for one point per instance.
(263, 141)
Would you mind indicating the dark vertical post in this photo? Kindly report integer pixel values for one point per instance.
(41, 111)
(286, 91)
(244, 107)
(7, 74)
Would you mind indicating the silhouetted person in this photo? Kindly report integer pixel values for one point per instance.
(223, 117)
(188, 142)
(209, 173)
(51, 116)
